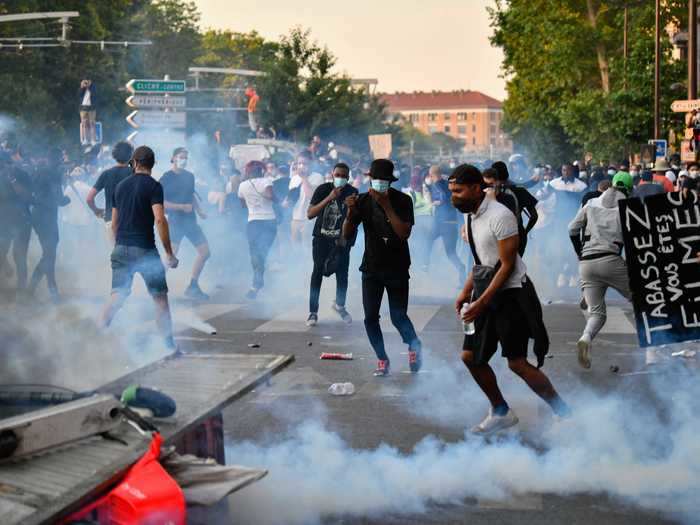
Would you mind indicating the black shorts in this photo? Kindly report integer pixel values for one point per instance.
(505, 323)
(186, 229)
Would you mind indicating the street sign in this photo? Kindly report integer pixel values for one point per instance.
(157, 119)
(137, 85)
(98, 132)
(683, 106)
(661, 147)
(687, 153)
(155, 101)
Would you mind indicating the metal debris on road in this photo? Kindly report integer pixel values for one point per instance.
(614, 369)
(254, 345)
(685, 353)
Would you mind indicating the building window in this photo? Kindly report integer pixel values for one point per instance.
(432, 128)
(492, 115)
(494, 129)
(462, 130)
(473, 128)
(432, 117)
(413, 117)
(448, 116)
(474, 115)
(461, 116)
(447, 129)
(474, 141)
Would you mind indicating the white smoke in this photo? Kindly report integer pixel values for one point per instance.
(613, 445)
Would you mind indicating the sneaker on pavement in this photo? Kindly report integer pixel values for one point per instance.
(252, 293)
(312, 320)
(584, 351)
(493, 423)
(193, 291)
(342, 312)
(382, 368)
(415, 358)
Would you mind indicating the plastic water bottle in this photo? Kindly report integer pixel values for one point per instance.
(467, 327)
(341, 389)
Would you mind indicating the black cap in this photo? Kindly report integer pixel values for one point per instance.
(466, 174)
(144, 155)
(647, 176)
(382, 169)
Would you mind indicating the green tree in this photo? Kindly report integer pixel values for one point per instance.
(570, 90)
(301, 96)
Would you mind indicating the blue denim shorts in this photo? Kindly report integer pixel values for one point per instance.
(128, 260)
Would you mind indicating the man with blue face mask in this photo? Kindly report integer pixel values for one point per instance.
(386, 215)
(329, 250)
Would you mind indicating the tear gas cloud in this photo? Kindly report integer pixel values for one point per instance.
(612, 446)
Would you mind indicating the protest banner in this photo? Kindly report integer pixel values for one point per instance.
(662, 240)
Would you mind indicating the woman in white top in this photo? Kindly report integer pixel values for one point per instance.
(256, 194)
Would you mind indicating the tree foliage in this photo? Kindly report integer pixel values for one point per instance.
(557, 54)
(301, 95)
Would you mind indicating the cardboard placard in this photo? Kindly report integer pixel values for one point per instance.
(662, 239)
(380, 145)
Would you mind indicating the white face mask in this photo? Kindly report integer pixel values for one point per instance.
(180, 163)
(381, 186)
(634, 173)
(339, 182)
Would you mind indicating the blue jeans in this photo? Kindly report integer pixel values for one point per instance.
(261, 235)
(128, 260)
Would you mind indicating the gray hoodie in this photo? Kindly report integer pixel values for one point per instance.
(599, 220)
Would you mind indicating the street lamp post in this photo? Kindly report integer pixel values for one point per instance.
(657, 76)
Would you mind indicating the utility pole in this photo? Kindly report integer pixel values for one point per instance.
(692, 49)
(657, 76)
(625, 48)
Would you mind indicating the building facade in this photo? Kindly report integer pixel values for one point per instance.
(471, 117)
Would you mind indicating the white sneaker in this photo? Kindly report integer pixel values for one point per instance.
(493, 423)
(312, 320)
(561, 281)
(573, 282)
(584, 351)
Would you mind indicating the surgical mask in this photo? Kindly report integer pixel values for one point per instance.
(634, 173)
(611, 173)
(180, 163)
(464, 206)
(381, 186)
(339, 182)
(428, 182)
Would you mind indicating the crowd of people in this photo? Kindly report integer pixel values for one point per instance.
(310, 208)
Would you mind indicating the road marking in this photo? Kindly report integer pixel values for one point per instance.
(295, 321)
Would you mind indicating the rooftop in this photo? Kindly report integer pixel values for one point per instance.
(439, 100)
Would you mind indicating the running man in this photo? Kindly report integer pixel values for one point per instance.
(599, 250)
(136, 208)
(181, 205)
(496, 303)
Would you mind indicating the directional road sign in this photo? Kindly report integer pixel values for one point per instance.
(683, 106)
(156, 119)
(137, 85)
(155, 101)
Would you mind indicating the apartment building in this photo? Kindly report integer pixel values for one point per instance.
(471, 117)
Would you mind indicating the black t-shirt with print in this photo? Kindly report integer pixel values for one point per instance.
(384, 251)
(329, 222)
(108, 181)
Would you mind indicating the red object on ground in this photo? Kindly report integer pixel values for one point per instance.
(336, 356)
(146, 496)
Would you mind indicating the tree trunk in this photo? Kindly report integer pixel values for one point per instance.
(600, 50)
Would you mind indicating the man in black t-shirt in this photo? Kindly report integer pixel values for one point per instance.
(137, 205)
(181, 204)
(525, 202)
(108, 181)
(387, 218)
(328, 207)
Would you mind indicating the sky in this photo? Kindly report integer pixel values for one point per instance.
(408, 45)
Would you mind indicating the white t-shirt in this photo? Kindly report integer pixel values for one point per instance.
(87, 98)
(574, 185)
(491, 223)
(252, 191)
(302, 205)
